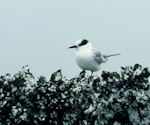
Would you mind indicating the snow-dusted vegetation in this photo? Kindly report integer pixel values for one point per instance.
(110, 99)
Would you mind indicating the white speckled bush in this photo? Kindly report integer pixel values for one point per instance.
(110, 99)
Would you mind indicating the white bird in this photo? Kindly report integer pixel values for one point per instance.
(87, 57)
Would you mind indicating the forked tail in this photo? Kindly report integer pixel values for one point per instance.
(106, 56)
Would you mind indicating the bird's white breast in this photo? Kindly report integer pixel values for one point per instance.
(86, 61)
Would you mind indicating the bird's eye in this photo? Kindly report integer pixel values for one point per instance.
(83, 42)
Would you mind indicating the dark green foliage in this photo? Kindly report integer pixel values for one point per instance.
(111, 98)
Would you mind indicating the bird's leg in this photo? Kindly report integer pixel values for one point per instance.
(82, 72)
(90, 77)
(91, 74)
(81, 75)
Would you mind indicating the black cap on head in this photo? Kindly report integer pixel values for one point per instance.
(84, 41)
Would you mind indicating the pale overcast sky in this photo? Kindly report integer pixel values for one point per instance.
(38, 33)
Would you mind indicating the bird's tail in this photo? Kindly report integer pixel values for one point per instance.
(106, 56)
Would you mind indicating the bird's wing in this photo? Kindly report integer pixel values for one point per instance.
(98, 57)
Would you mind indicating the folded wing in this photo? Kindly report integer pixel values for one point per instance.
(98, 57)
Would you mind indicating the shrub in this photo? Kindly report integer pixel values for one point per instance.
(108, 99)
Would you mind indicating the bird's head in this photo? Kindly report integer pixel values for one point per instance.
(82, 43)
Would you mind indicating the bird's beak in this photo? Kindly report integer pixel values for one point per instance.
(72, 46)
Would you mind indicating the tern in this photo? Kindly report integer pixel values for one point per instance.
(87, 57)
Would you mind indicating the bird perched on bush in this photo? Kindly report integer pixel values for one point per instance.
(87, 57)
